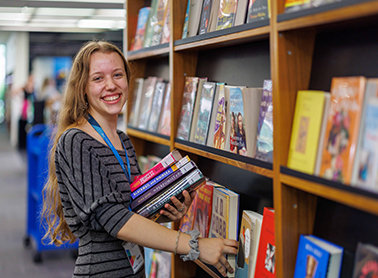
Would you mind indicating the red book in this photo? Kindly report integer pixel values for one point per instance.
(163, 164)
(266, 254)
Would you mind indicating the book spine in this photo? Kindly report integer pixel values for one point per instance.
(157, 169)
(186, 182)
(163, 184)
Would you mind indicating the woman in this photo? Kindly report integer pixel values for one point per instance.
(88, 191)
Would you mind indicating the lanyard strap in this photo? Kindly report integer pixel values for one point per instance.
(98, 128)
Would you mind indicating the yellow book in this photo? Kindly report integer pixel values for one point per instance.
(306, 128)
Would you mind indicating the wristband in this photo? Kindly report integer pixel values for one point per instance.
(193, 243)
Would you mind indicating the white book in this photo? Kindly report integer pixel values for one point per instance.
(241, 12)
(194, 17)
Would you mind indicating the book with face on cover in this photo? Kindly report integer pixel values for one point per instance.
(156, 106)
(226, 14)
(165, 119)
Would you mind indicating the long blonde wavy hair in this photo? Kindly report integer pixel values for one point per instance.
(73, 112)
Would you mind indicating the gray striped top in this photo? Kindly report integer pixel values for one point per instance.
(95, 196)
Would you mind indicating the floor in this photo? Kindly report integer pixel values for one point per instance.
(16, 260)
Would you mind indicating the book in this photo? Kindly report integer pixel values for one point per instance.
(205, 17)
(194, 17)
(343, 128)
(241, 12)
(296, 5)
(146, 101)
(156, 106)
(264, 140)
(151, 22)
(258, 10)
(196, 108)
(190, 182)
(203, 210)
(226, 14)
(251, 104)
(214, 16)
(188, 100)
(166, 36)
(266, 254)
(167, 161)
(182, 171)
(136, 98)
(317, 258)
(141, 28)
(186, 22)
(158, 27)
(249, 237)
(308, 116)
(204, 114)
(186, 222)
(225, 218)
(365, 261)
(164, 126)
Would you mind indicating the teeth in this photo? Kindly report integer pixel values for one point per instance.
(111, 98)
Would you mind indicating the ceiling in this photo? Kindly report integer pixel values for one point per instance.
(66, 16)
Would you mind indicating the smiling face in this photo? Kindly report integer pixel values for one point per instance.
(107, 86)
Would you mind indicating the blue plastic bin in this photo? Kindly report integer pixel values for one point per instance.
(38, 146)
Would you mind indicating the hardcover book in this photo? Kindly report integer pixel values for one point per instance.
(257, 10)
(156, 106)
(137, 96)
(202, 213)
(141, 28)
(165, 119)
(343, 128)
(166, 27)
(226, 14)
(188, 100)
(196, 108)
(365, 261)
(186, 22)
(186, 223)
(205, 17)
(214, 15)
(194, 17)
(238, 143)
(241, 12)
(317, 258)
(158, 27)
(151, 22)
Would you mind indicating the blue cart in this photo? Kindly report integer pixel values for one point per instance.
(38, 146)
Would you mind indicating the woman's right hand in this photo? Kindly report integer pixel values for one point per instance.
(212, 251)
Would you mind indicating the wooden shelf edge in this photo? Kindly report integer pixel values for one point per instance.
(148, 52)
(327, 14)
(243, 165)
(343, 196)
(205, 268)
(147, 136)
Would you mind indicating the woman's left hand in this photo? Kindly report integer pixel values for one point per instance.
(178, 210)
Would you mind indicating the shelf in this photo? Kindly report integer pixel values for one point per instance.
(148, 136)
(243, 162)
(232, 36)
(335, 191)
(149, 52)
(326, 14)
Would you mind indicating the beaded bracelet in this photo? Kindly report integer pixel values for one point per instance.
(177, 238)
(193, 243)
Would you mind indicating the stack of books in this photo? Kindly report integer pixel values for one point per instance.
(169, 177)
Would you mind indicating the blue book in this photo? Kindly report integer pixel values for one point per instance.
(318, 258)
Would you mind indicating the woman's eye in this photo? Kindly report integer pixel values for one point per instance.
(97, 78)
(118, 75)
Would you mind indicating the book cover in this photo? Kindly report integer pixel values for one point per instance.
(226, 14)
(165, 119)
(188, 100)
(296, 5)
(194, 17)
(218, 124)
(266, 254)
(205, 17)
(204, 114)
(317, 258)
(158, 27)
(151, 22)
(305, 132)
(257, 10)
(202, 213)
(156, 106)
(196, 108)
(166, 37)
(249, 236)
(141, 28)
(186, 22)
(135, 102)
(167, 161)
(225, 218)
(186, 223)
(264, 140)
(241, 12)
(238, 143)
(365, 261)
(343, 124)
(251, 104)
(146, 101)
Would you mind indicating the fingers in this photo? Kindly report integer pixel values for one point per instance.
(226, 264)
(219, 266)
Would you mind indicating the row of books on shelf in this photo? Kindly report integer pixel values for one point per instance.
(335, 135)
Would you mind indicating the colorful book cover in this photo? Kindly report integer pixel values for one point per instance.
(347, 96)
(205, 16)
(158, 27)
(238, 143)
(296, 5)
(264, 140)
(165, 119)
(146, 101)
(219, 141)
(365, 261)
(186, 22)
(204, 114)
(305, 132)
(156, 106)
(266, 254)
(186, 223)
(226, 15)
(135, 102)
(317, 258)
(257, 10)
(202, 213)
(166, 37)
(141, 28)
(188, 99)
(167, 161)
(151, 22)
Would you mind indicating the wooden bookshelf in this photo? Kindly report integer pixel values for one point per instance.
(293, 43)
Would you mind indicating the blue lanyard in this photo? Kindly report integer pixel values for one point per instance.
(98, 128)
